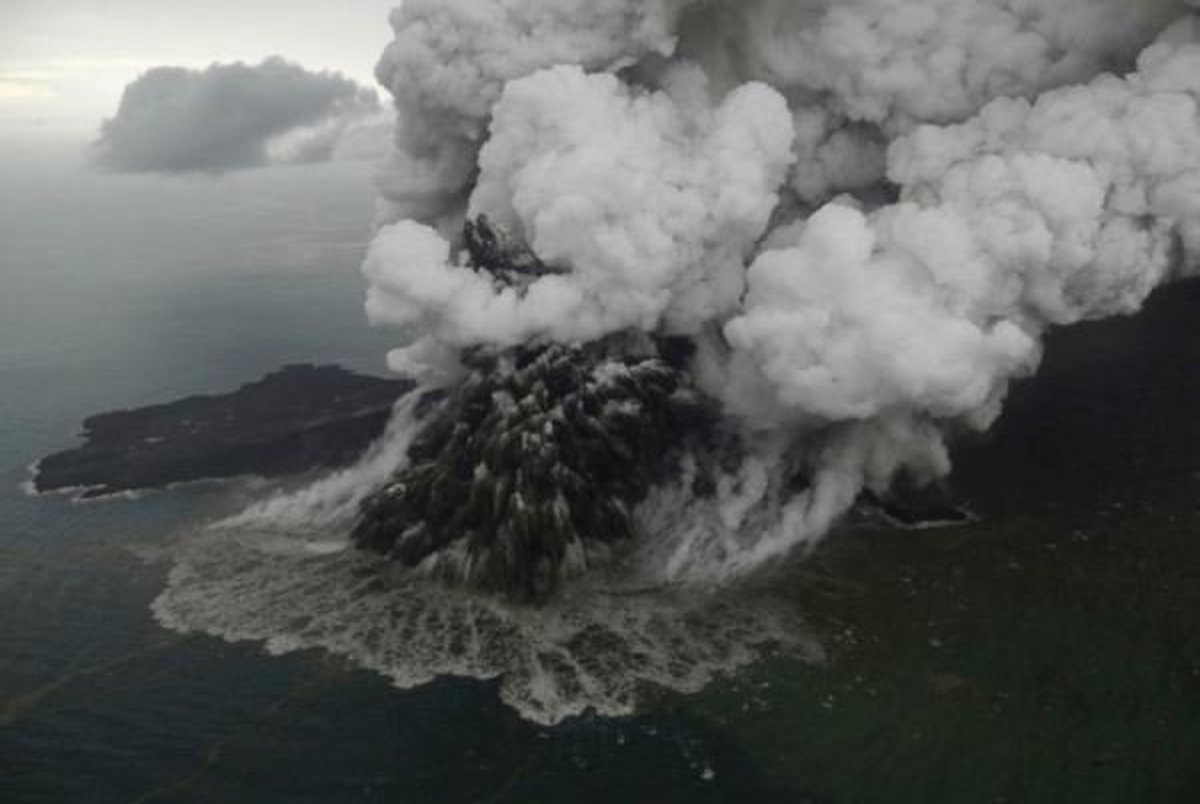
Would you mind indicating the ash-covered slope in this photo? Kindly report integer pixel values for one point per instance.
(298, 418)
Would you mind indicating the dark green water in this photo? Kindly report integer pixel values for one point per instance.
(1050, 653)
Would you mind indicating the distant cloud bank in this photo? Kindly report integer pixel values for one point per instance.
(233, 116)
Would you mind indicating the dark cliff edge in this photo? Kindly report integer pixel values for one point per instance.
(298, 418)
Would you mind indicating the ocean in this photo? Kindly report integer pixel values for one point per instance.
(119, 292)
(1049, 652)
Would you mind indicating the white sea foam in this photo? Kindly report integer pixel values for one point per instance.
(596, 647)
(28, 486)
(280, 573)
(333, 500)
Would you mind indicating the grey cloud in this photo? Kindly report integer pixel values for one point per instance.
(229, 116)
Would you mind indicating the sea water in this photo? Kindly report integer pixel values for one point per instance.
(124, 291)
(1049, 652)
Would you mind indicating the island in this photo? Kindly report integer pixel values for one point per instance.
(298, 418)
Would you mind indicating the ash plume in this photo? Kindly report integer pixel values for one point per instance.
(863, 215)
(233, 116)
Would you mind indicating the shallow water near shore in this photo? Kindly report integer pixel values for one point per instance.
(1049, 652)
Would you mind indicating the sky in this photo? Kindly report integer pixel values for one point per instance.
(64, 63)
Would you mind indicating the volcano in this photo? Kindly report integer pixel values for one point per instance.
(531, 466)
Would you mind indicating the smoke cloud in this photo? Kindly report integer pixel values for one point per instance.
(451, 59)
(670, 255)
(865, 214)
(232, 116)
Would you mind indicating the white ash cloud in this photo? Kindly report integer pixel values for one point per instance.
(900, 62)
(232, 116)
(1014, 165)
(450, 61)
(859, 73)
(652, 201)
(1027, 215)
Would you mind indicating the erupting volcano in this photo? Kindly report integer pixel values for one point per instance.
(829, 236)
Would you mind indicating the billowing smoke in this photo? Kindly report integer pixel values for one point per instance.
(653, 204)
(864, 215)
(232, 116)
(451, 60)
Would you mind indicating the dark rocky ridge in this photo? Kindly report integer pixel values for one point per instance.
(533, 462)
(298, 418)
(508, 260)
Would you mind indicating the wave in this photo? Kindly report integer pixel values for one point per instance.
(280, 573)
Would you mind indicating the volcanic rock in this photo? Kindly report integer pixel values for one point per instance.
(533, 464)
(298, 418)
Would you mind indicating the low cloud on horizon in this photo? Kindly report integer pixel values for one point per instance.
(235, 116)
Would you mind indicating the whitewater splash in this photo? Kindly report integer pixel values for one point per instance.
(334, 500)
(280, 573)
(596, 647)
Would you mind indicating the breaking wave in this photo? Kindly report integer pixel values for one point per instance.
(282, 573)
(595, 647)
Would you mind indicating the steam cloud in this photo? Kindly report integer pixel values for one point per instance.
(232, 116)
(867, 214)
